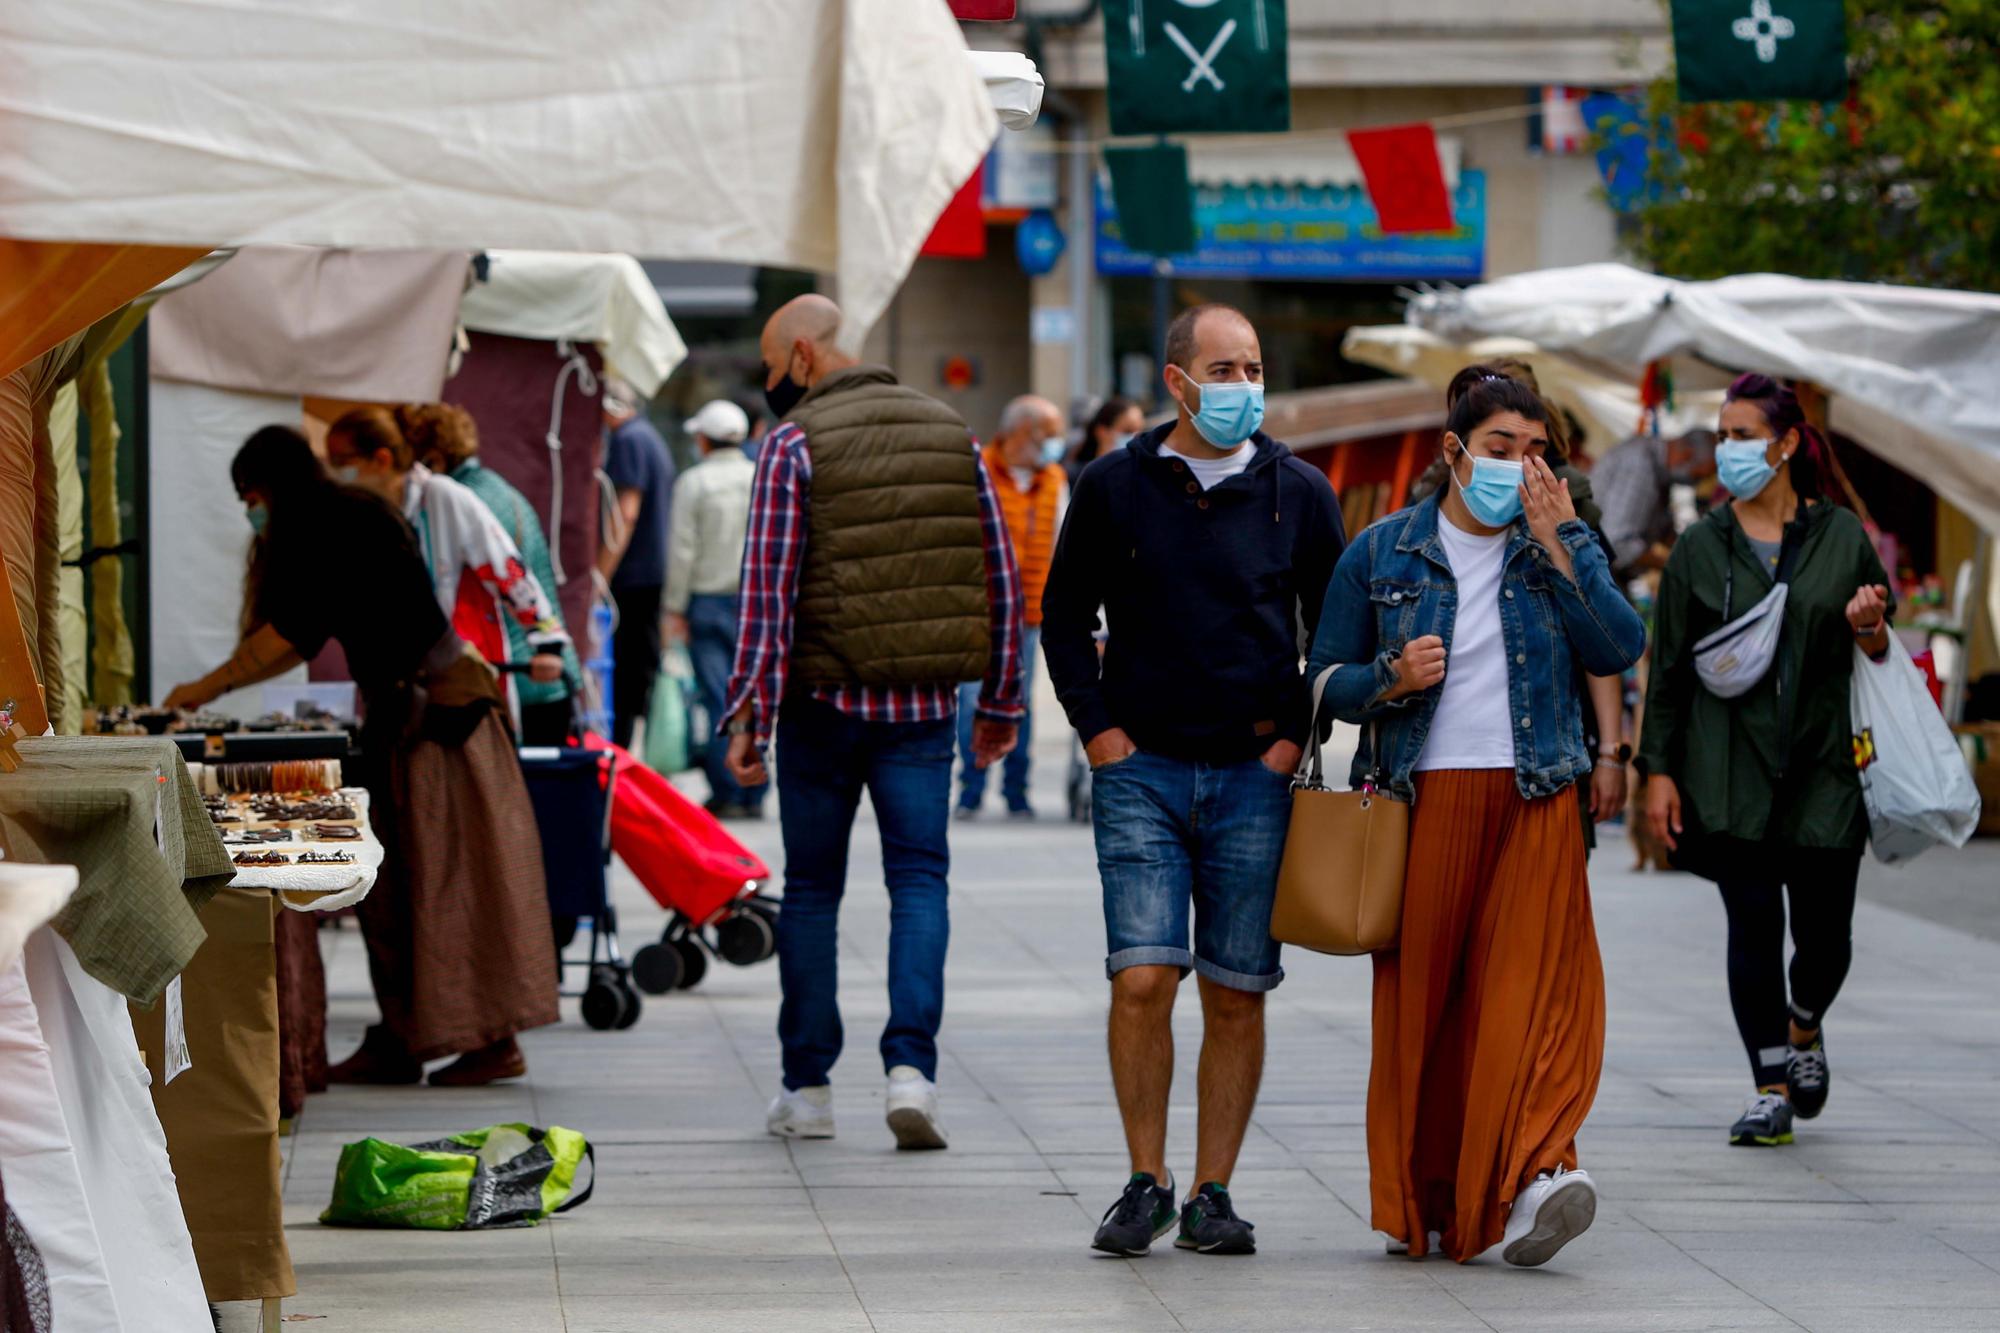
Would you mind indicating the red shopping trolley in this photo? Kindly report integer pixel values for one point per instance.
(711, 884)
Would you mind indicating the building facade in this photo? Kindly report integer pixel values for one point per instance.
(1283, 223)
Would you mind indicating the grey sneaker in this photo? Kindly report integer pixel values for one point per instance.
(1766, 1122)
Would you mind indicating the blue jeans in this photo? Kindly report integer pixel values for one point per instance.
(1014, 768)
(1173, 835)
(712, 649)
(825, 758)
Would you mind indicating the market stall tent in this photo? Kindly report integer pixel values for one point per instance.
(1608, 407)
(1909, 370)
(278, 332)
(815, 134)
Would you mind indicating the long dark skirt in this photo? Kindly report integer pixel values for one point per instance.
(457, 927)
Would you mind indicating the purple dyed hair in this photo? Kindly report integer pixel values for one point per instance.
(1783, 414)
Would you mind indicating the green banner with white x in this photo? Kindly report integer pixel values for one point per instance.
(1189, 66)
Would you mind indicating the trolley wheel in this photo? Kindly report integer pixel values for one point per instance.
(746, 938)
(659, 968)
(694, 962)
(765, 907)
(604, 1000)
(633, 1004)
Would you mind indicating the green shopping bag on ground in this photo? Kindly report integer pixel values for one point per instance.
(500, 1176)
(667, 724)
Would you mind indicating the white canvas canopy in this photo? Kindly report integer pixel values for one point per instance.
(1909, 371)
(1608, 408)
(602, 299)
(815, 134)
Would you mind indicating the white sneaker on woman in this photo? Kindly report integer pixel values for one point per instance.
(912, 1109)
(801, 1113)
(1549, 1214)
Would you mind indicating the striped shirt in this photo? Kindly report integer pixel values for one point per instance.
(772, 554)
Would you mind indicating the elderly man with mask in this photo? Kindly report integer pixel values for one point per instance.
(1025, 463)
(1207, 545)
(877, 577)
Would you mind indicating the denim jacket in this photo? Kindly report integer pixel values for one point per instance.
(1395, 584)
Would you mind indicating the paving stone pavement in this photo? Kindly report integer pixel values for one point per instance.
(1884, 1216)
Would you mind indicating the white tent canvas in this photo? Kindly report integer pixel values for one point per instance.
(1909, 370)
(815, 134)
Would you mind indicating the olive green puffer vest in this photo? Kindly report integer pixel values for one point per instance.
(892, 585)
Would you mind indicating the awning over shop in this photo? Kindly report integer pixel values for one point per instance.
(824, 136)
(1909, 370)
(602, 299)
(1607, 407)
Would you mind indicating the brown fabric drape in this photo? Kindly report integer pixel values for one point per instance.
(301, 1011)
(1489, 1013)
(221, 1115)
(51, 290)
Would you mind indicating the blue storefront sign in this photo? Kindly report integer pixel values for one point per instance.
(1307, 231)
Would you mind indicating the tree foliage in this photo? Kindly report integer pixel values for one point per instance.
(1899, 183)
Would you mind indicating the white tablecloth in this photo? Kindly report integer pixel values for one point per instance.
(82, 1152)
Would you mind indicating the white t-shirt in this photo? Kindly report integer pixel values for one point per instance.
(1211, 471)
(1474, 725)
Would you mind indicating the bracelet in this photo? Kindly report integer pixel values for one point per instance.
(1870, 632)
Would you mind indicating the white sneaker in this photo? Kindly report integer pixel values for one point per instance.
(912, 1108)
(1548, 1215)
(1390, 1245)
(803, 1114)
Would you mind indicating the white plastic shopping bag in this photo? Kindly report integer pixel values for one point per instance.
(1913, 777)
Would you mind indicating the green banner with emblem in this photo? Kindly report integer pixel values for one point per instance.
(1760, 50)
(1194, 66)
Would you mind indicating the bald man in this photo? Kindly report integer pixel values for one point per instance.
(1207, 545)
(877, 577)
(1024, 462)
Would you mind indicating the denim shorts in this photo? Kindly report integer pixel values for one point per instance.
(1177, 838)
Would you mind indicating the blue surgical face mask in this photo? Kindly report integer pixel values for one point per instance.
(1122, 439)
(347, 474)
(1231, 411)
(1053, 449)
(259, 517)
(1743, 468)
(1494, 493)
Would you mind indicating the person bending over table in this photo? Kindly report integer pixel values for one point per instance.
(457, 926)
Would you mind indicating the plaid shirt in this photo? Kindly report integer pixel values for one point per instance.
(771, 557)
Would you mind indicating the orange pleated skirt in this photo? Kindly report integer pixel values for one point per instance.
(1489, 1013)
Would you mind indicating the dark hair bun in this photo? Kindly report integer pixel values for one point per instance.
(1479, 393)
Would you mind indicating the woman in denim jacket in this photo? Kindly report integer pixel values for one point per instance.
(1489, 1013)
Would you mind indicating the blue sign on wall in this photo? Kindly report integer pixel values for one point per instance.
(1307, 231)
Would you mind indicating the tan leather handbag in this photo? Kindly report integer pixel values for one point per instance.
(1340, 885)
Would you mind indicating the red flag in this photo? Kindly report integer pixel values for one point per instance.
(984, 11)
(1405, 178)
(960, 231)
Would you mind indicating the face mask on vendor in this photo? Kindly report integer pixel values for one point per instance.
(259, 516)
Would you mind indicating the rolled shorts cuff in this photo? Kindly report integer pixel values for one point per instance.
(1243, 981)
(1157, 955)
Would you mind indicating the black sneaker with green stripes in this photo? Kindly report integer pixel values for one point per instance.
(1209, 1224)
(1144, 1213)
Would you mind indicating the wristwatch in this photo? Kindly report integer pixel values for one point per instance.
(1621, 755)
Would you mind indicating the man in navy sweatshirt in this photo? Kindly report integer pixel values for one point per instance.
(1207, 546)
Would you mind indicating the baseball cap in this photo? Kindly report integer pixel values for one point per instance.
(721, 421)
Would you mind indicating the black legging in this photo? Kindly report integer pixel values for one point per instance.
(1821, 883)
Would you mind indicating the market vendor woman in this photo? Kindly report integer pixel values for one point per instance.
(1747, 743)
(457, 927)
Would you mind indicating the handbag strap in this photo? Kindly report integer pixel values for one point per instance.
(1315, 773)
